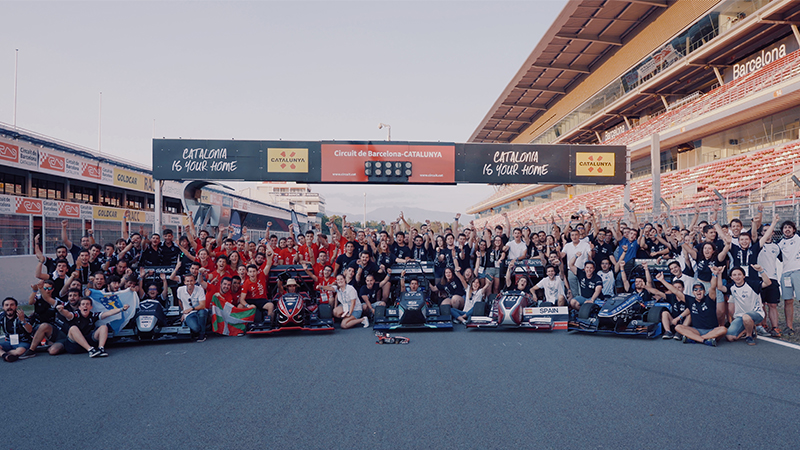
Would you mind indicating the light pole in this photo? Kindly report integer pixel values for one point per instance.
(389, 130)
(16, 64)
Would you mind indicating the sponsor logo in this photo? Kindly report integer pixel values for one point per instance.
(91, 171)
(51, 162)
(28, 206)
(107, 213)
(287, 160)
(9, 152)
(594, 164)
(69, 210)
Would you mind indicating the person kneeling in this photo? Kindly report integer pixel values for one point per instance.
(82, 334)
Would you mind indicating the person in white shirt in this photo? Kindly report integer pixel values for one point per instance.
(553, 287)
(579, 250)
(609, 278)
(347, 305)
(746, 295)
(768, 259)
(678, 275)
(193, 306)
(517, 249)
(475, 293)
(790, 280)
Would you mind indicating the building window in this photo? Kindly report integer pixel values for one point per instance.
(134, 201)
(82, 194)
(12, 184)
(49, 189)
(172, 207)
(110, 198)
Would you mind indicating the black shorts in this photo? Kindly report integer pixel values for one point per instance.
(259, 302)
(72, 347)
(771, 293)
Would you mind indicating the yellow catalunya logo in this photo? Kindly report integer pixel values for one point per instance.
(594, 164)
(287, 160)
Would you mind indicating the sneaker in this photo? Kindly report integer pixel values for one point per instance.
(750, 340)
(93, 352)
(28, 354)
(776, 333)
(8, 357)
(102, 352)
(788, 331)
(667, 335)
(678, 337)
(365, 322)
(710, 342)
(688, 341)
(202, 339)
(761, 331)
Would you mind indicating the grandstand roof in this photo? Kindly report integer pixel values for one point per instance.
(580, 37)
(546, 74)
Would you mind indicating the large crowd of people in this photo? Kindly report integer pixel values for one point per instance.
(722, 282)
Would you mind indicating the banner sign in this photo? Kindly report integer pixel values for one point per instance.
(385, 162)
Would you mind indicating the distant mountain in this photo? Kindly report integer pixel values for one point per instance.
(411, 214)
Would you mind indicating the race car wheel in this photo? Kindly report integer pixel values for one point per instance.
(654, 315)
(444, 310)
(586, 310)
(479, 309)
(380, 311)
(325, 312)
(545, 304)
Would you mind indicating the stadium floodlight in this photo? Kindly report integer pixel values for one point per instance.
(389, 130)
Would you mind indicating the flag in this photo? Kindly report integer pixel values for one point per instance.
(104, 301)
(296, 227)
(229, 320)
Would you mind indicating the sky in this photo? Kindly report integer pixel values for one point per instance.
(266, 70)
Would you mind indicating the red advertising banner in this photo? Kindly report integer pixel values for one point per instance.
(28, 206)
(344, 162)
(69, 210)
(9, 152)
(91, 171)
(51, 161)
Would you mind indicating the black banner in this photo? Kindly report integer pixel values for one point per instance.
(303, 161)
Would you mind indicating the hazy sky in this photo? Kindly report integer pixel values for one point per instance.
(267, 70)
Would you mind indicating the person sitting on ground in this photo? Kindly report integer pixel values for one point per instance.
(590, 285)
(370, 294)
(476, 292)
(677, 300)
(44, 316)
(748, 309)
(702, 307)
(553, 287)
(347, 306)
(254, 293)
(193, 307)
(16, 331)
(82, 334)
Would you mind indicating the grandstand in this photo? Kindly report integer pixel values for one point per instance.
(718, 83)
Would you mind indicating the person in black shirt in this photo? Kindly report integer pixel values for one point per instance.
(86, 240)
(82, 267)
(82, 333)
(702, 309)
(344, 260)
(44, 315)
(49, 263)
(371, 294)
(421, 250)
(399, 248)
(16, 331)
(363, 267)
(590, 284)
(451, 288)
(677, 300)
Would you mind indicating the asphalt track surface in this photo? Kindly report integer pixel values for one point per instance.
(459, 389)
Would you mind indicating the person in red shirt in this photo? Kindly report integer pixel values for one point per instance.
(313, 248)
(236, 287)
(225, 295)
(222, 270)
(254, 293)
(304, 250)
(289, 253)
(326, 278)
(322, 261)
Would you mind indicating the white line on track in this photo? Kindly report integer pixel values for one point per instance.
(779, 342)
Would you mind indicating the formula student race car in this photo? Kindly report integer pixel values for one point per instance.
(298, 311)
(516, 309)
(413, 309)
(624, 315)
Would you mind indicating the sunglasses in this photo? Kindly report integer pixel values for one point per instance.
(48, 289)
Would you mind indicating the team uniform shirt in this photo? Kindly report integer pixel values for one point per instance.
(225, 298)
(306, 253)
(170, 254)
(421, 253)
(630, 254)
(602, 251)
(552, 288)
(571, 250)
(43, 312)
(688, 283)
(401, 251)
(768, 259)
(190, 300)
(255, 290)
(444, 259)
(516, 250)
(586, 285)
(704, 312)
(344, 261)
(703, 267)
(371, 294)
(151, 257)
(790, 249)
(677, 307)
(14, 326)
(495, 257)
(324, 295)
(747, 298)
(609, 282)
(744, 258)
(287, 255)
(86, 325)
(452, 288)
(318, 268)
(346, 298)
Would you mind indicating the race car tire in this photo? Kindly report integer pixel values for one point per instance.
(325, 312)
(545, 304)
(479, 309)
(586, 310)
(444, 310)
(380, 311)
(654, 315)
